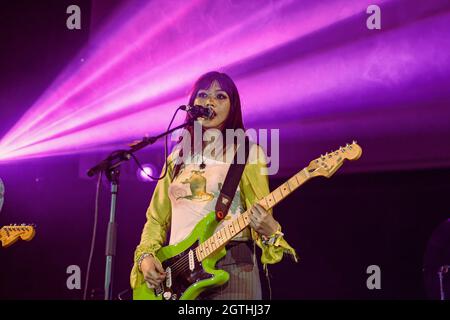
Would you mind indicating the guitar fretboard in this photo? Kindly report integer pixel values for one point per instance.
(220, 238)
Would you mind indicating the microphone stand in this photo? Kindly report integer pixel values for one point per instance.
(111, 167)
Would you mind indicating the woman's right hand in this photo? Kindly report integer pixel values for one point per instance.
(153, 271)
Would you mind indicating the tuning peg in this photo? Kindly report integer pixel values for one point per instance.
(354, 142)
(347, 145)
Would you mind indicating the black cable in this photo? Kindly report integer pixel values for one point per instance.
(94, 232)
(119, 296)
(268, 283)
(165, 152)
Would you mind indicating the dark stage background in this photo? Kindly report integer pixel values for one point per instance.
(338, 226)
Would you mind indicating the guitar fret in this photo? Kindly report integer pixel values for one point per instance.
(223, 235)
(292, 183)
(227, 235)
(231, 229)
(212, 243)
(272, 200)
(200, 252)
(205, 249)
(296, 178)
(210, 246)
(234, 228)
(282, 188)
(230, 233)
(241, 223)
(238, 222)
(246, 218)
(237, 226)
(287, 190)
(220, 237)
(275, 193)
(289, 186)
(267, 204)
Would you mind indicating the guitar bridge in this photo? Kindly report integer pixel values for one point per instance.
(168, 277)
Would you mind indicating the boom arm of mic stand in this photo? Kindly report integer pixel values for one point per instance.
(119, 156)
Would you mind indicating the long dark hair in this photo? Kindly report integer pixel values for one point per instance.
(234, 119)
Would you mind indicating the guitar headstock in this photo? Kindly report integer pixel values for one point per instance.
(10, 234)
(326, 165)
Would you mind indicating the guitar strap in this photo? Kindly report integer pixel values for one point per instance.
(231, 182)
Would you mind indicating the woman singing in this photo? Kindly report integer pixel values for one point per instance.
(190, 189)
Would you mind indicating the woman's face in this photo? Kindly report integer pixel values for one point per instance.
(218, 100)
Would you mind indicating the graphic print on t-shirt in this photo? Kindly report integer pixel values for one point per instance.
(197, 184)
(193, 194)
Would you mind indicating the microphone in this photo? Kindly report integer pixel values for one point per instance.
(197, 111)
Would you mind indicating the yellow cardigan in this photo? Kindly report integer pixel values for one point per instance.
(254, 185)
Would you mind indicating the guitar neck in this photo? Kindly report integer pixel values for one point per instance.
(220, 238)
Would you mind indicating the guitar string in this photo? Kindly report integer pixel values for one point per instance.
(182, 260)
(181, 263)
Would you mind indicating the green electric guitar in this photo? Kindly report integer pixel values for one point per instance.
(190, 264)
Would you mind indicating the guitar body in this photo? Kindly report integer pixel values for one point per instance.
(186, 281)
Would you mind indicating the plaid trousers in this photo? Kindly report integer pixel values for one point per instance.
(244, 283)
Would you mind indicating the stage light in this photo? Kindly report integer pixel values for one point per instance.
(148, 170)
(296, 64)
